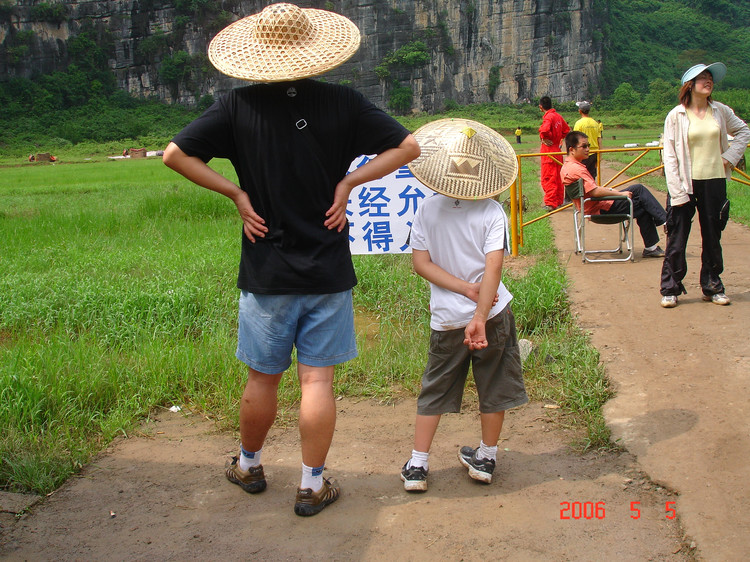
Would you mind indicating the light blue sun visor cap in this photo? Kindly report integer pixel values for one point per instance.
(717, 69)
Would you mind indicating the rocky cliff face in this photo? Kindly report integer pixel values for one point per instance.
(477, 50)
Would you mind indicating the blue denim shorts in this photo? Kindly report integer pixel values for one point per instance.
(321, 327)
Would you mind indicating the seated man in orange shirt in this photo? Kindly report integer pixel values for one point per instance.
(647, 211)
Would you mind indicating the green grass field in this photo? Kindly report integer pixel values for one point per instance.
(117, 294)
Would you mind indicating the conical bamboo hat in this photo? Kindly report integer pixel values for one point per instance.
(464, 159)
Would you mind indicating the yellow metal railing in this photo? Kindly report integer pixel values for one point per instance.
(746, 181)
(516, 189)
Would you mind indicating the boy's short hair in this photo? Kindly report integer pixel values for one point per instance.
(545, 102)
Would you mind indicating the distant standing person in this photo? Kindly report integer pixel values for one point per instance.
(518, 135)
(592, 130)
(459, 238)
(698, 161)
(291, 141)
(551, 132)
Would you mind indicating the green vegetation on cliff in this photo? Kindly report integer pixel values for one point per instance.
(647, 45)
(649, 39)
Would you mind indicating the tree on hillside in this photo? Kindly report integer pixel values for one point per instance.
(625, 96)
(661, 94)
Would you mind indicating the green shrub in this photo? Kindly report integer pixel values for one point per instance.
(400, 99)
(450, 105)
(219, 21)
(382, 71)
(494, 81)
(6, 10)
(625, 96)
(738, 100)
(153, 45)
(52, 13)
(661, 95)
(205, 102)
(175, 68)
(411, 55)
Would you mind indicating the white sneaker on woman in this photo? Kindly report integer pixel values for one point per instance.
(718, 298)
(668, 301)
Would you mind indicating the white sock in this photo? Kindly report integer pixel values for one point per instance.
(652, 247)
(486, 452)
(312, 477)
(248, 458)
(419, 459)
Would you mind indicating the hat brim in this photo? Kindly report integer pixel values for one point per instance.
(464, 159)
(717, 69)
(236, 52)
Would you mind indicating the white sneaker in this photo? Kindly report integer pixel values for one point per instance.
(414, 477)
(668, 301)
(718, 298)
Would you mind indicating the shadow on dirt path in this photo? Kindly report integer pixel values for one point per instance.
(162, 495)
(682, 378)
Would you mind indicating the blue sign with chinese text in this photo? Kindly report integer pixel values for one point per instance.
(380, 212)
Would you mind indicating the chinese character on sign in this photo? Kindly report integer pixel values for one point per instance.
(387, 206)
(372, 201)
(378, 234)
(411, 197)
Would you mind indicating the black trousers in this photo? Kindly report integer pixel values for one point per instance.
(708, 198)
(647, 211)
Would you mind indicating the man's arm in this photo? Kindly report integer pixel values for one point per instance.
(475, 336)
(545, 130)
(741, 133)
(197, 171)
(383, 164)
(429, 270)
(600, 191)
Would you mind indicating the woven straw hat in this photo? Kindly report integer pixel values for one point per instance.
(284, 42)
(464, 159)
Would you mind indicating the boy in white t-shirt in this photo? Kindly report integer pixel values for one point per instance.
(459, 239)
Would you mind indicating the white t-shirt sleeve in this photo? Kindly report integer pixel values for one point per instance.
(416, 235)
(497, 230)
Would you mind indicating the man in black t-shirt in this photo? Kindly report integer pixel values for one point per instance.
(291, 141)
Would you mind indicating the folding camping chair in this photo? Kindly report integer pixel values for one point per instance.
(624, 221)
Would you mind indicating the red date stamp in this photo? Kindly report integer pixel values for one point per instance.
(598, 510)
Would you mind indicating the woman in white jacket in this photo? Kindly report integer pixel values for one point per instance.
(698, 161)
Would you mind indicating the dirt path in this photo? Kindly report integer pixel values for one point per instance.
(170, 501)
(682, 382)
(682, 378)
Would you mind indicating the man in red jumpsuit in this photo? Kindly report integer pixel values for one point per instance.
(552, 131)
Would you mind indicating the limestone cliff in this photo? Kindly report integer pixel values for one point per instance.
(475, 50)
